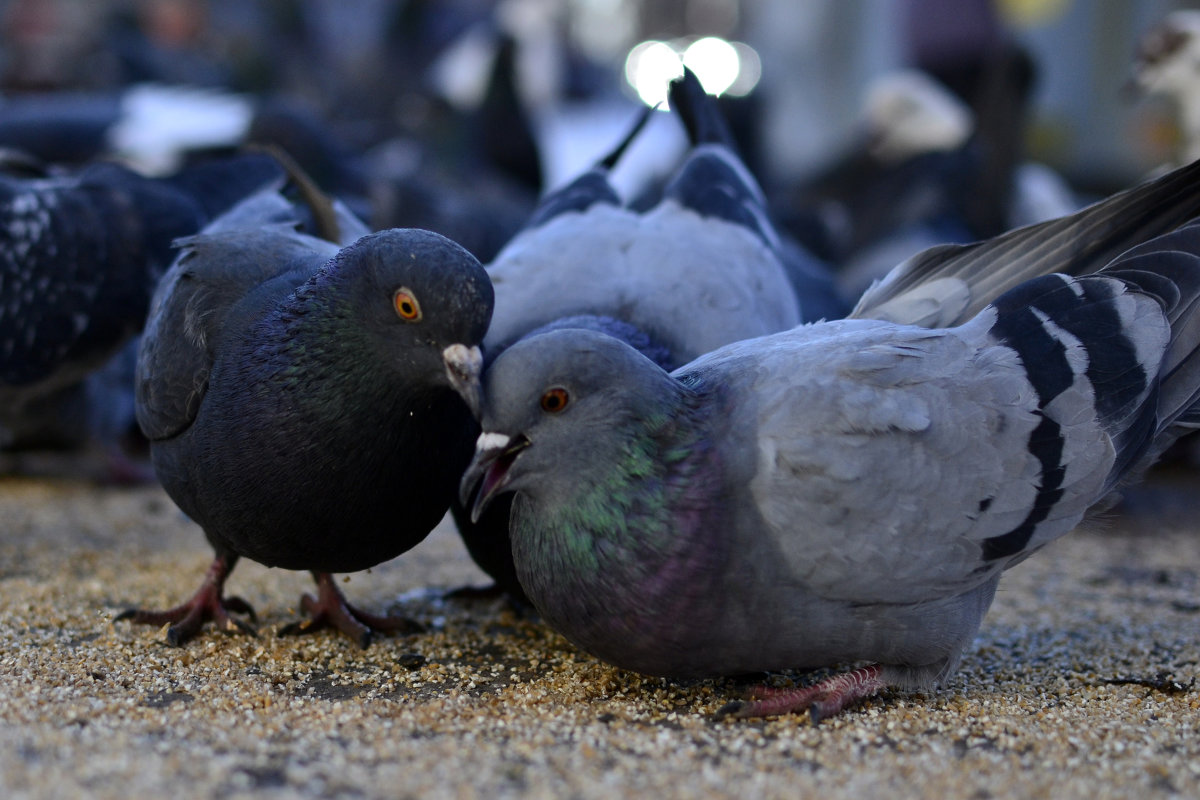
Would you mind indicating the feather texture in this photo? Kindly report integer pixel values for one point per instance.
(838, 492)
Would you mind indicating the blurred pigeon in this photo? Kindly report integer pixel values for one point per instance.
(746, 512)
(912, 180)
(702, 268)
(500, 129)
(294, 394)
(403, 182)
(80, 254)
(1167, 64)
(476, 175)
(907, 169)
(150, 127)
(708, 244)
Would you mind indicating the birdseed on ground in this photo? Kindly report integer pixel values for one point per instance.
(1082, 683)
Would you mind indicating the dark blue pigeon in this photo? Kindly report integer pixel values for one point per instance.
(295, 398)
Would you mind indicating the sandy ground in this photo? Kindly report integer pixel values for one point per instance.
(1081, 684)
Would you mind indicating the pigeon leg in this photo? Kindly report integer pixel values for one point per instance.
(330, 609)
(822, 700)
(207, 603)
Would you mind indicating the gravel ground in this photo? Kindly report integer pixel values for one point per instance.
(1081, 684)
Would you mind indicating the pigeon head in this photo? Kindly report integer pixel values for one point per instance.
(415, 293)
(562, 406)
(618, 518)
(908, 113)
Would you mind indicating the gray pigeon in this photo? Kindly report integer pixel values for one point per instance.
(845, 491)
(703, 267)
(700, 269)
(294, 394)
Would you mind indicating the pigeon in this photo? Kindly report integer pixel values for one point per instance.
(904, 176)
(1165, 64)
(150, 127)
(914, 179)
(80, 254)
(587, 260)
(294, 395)
(709, 243)
(845, 491)
(404, 181)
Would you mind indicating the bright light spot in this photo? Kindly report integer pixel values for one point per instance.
(715, 62)
(749, 70)
(723, 67)
(649, 67)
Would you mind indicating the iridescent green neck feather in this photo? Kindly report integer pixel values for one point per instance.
(642, 530)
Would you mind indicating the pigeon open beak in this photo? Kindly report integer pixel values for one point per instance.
(489, 469)
(463, 367)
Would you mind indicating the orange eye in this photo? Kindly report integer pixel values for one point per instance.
(406, 305)
(555, 400)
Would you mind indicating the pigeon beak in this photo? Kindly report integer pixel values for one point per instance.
(463, 366)
(489, 469)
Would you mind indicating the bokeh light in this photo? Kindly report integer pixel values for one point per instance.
(715, 62)
(649, 67)
(723, 67)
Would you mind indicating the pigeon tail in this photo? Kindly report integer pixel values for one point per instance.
(698, 109)
(1118, 347)
(589, 188)
(713, 181)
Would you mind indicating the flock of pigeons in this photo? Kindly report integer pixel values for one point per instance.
(660, 423)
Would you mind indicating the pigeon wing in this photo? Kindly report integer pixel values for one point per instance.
(948, 284)
(218, 279)
(897, 464)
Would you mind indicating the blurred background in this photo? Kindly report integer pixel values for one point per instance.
(877, 128)
(373, 69)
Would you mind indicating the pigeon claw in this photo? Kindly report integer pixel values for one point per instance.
(208, 603)
(329, 609)
(822, 700)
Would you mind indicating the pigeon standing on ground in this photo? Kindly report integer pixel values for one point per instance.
(294, 394)
(701, 268)
(80, 255)
(841, 492)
